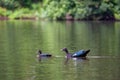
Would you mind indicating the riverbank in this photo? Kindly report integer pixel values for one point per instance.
(67, 18)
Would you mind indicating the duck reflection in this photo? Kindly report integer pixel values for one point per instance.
(78, 59)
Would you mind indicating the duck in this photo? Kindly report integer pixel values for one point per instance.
(40, 54)
(80, 53)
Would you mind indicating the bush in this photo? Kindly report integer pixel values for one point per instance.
(84, 9)
(2, 11)
(19, 13)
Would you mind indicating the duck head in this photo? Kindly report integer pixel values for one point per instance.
(39, 51)
(65, 50)
(68, 55)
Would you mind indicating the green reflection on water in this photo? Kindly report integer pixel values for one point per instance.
(20, 40)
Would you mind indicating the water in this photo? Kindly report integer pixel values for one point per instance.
(20, 40)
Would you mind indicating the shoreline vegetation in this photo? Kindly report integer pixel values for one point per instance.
(95, 10)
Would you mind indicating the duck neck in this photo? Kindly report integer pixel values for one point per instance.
(66, 51)
(40, 52)
(68, 55)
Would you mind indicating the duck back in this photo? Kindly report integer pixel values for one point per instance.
(81, 53)
(45, 55)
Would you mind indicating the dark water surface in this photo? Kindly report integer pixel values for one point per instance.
(20, 40)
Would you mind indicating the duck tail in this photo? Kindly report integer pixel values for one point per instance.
(87, 51)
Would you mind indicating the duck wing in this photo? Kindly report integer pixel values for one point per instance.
(81, 53)
(46, 55)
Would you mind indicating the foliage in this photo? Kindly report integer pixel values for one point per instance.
(13, 4)
(2, 11)
(61, 9)
(79, 9)
(23, 13)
